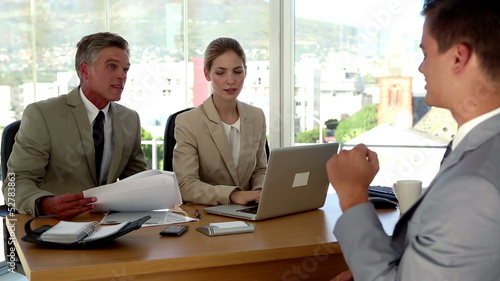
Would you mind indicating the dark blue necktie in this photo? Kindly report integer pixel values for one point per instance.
(98, 135)
(447, 152)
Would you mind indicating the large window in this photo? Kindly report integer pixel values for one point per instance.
(167, 39)
(349, 55)
(322, 70)
(356, 81)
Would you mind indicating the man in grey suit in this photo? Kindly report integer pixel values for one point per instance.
(453, 231)
(59, 150)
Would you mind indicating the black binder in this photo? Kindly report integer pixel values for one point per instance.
(33, 236)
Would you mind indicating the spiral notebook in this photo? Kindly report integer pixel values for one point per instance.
(68, 232)
(78, 235)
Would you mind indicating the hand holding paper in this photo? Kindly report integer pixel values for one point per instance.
(146, 191)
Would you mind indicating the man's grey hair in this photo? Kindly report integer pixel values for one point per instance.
(89, 46)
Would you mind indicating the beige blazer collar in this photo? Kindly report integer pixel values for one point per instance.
(118, 136)
(248, 142)
(81, 119)
(216, 129)
(82, 122)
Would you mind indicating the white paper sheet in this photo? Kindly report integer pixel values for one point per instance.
(157, 218)
(145, 191)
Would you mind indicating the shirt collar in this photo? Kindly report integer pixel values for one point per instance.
(471, 124)
(91, 109)
(227, 127)
(237, 124)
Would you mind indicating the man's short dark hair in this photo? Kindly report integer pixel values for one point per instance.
(475, 23)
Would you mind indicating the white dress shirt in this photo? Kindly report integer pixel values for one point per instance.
(233, 137)
(92, 112)
(471, 124)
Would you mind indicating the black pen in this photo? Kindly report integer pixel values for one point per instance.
(197, 214)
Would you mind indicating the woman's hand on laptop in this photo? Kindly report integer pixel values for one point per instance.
(244, 197)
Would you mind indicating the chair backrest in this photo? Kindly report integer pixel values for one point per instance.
(169, 140)
(8, 139)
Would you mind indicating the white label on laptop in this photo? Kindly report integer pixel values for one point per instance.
(229, 224)
(300, 179)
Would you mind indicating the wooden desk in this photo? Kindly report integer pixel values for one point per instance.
(295, 247)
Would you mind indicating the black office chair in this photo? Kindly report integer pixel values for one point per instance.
(8, 139)
(169, 141)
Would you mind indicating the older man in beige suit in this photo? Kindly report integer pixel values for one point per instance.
(54, 157)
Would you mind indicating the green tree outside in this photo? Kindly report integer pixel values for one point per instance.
(148, 148)
(370, 78)
(331, 124)
(356, 124)
(311, 136)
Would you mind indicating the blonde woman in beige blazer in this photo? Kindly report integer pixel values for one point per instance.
(210, 169)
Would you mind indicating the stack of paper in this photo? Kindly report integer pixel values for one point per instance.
(157, 217)
(146, 191)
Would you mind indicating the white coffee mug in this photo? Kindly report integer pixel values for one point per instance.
(407, 192)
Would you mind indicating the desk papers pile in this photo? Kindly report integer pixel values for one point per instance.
(145, 191)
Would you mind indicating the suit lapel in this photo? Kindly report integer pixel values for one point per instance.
(247, 154)
(83, 124)
(476, 137)
(118, 136)
(216, 130)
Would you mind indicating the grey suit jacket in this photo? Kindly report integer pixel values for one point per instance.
(203, 161)
(54, 151)
(451, 233)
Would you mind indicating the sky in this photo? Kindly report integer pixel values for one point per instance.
(402, 15)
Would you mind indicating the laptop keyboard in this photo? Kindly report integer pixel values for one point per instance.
(382, 191)
(251, 210)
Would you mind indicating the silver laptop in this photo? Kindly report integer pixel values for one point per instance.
(296, 181)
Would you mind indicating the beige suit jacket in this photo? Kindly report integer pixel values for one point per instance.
(203, 161)
(54, 151)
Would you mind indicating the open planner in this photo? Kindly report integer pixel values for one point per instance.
(71, 232)
(78, 235)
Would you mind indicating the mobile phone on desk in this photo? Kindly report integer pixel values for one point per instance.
(174, 230)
